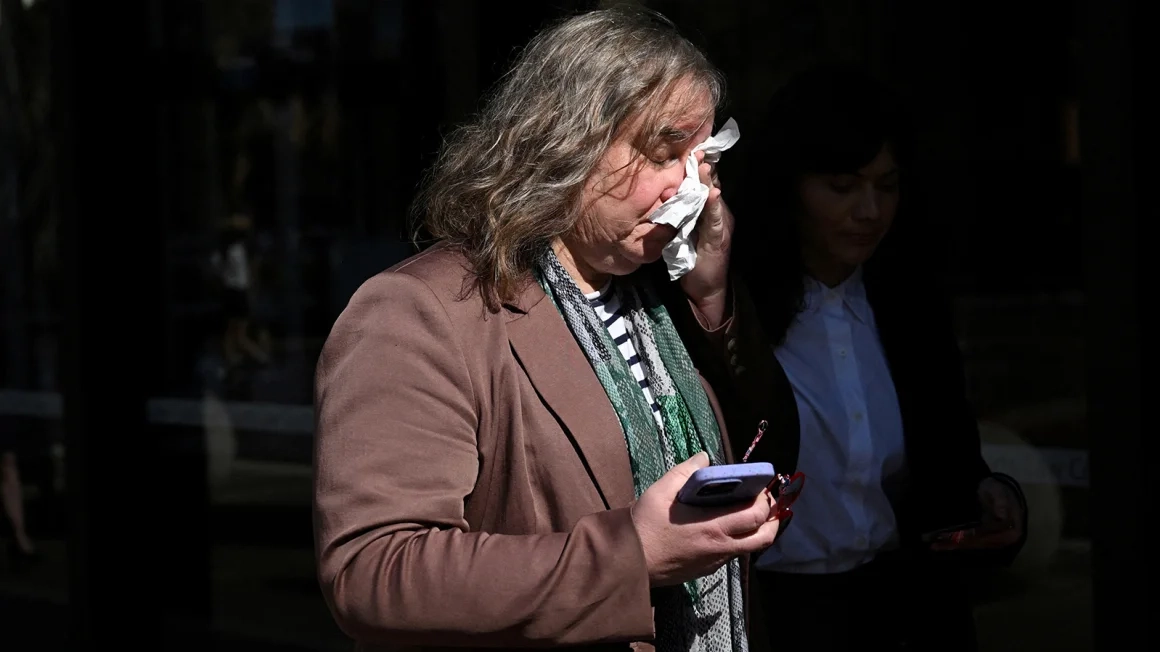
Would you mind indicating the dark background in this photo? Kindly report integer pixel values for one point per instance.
(174, 511)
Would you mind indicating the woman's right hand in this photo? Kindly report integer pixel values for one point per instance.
(683, 542)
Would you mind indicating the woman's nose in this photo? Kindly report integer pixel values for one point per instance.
(673, 180)
(867, 208)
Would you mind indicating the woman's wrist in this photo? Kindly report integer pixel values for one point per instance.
(713, 310)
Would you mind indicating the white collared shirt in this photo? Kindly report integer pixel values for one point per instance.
(851, 434)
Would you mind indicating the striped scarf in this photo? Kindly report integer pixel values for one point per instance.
(705, 615)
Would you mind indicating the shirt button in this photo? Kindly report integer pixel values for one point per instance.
(842, 352)
(858, 417)
(861, 542)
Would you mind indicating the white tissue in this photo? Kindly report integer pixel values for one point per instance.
(682, 209)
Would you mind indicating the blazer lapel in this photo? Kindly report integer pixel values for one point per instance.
(565, 381)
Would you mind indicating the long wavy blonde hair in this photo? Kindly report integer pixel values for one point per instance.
(510, 181)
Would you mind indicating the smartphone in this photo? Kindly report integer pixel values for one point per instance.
(948, 532)
(726, 484)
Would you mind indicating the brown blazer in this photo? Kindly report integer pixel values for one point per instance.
(472, 483)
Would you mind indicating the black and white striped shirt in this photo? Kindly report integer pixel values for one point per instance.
(608, 309)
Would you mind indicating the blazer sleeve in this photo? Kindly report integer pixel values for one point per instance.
(395, 460)
(964, 421)
(962, 451)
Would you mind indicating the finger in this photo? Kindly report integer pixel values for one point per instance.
(711, 217)
(705, 172)
(712, 220)
(1001, 508)
(760, 539)
(680, 474)
(991, 526)
(745, 521)
(1015, 523)
(996, 503)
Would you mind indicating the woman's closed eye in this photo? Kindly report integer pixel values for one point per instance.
(888, 183)
(664, 156)
(664, 162)
(843, 185)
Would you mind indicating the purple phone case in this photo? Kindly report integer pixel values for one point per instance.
(725, 484)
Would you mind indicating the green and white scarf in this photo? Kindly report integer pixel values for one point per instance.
(706, 615)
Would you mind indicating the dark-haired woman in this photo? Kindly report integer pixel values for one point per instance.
(865, 386)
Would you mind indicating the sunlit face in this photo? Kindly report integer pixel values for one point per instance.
(614, 237)
(845, 216)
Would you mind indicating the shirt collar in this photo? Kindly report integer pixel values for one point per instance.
(851, 292)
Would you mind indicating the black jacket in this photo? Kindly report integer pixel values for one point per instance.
(915, 324)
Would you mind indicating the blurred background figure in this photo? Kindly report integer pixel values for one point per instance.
(233, 264)
(21, 549)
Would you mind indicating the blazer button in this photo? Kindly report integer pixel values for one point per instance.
(731, 344)
(735, 363)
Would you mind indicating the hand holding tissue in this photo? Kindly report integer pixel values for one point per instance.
(682, 210)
